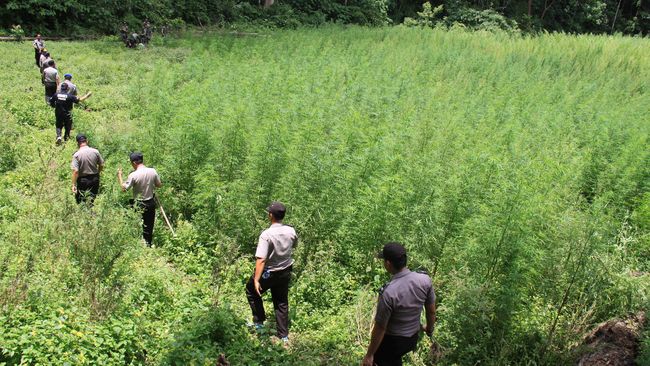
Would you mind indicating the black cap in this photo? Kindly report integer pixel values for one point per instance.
(136, 157)
(393, 252)
(81, 138)
(277, 209)
(64, 86)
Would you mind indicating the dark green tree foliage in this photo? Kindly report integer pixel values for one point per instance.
(106, 16)
(574, 16)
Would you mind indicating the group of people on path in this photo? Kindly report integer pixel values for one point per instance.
(397, 326)
(62, 96)
(87, 163)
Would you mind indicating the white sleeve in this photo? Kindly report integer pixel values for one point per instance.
(129, 182)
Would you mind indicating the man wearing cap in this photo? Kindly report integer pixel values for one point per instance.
(397, 321)
(51, 80)
(143, 180)
(273, 267)
(62, 103)
(86, 165)
(72, 89)
(39, 45)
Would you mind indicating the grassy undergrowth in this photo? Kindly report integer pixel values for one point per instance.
(515, 169)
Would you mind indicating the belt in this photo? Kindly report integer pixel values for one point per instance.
(283, 270)
(90, 176)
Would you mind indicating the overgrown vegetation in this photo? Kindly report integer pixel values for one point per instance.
(515, 170)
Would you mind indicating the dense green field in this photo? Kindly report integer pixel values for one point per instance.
(516, 170)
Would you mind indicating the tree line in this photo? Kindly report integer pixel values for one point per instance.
(105, 16)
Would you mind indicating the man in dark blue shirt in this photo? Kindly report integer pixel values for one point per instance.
(63, 102)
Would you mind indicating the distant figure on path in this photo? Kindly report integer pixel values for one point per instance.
(87, 163)
(143, 180)
(397, 321)
(72, 89)
(133, 40)
(146, 32)
(51, 80)
(63, 104)
(124, 32)
(39, 46)
(273, 268)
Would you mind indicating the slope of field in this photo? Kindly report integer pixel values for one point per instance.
(516, 171)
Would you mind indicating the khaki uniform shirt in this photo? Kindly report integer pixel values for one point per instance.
(143, 180)
(86, 161)
(43, 62)
(276, 245)
(38, 44)
(72, 89)
(401, 301)
(49, 75)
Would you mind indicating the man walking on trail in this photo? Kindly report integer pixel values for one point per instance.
(72, 89)
(273, 271)
(39, 46)
(51, 80)
(86, 165)
(143, 180)
(63, 103)
(397, 321)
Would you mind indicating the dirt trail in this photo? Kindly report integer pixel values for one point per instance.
(614, 343)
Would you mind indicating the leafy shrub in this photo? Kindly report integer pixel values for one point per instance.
(17, 32)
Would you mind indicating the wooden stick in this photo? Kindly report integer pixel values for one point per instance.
(162, 211)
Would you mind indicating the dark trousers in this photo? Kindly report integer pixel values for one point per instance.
(392, 348)
(278, 282)
(61, 123)
(50, 90)
(87, 188)
(148, 218)
(37, 56)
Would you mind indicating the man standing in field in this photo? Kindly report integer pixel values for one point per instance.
(397, 321)
(87, 164)
(51, 80)
(62, 103)
(273, 268)
(39, 46)
(143, 180)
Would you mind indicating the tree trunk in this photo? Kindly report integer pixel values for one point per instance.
(268, 3)
(530, 8)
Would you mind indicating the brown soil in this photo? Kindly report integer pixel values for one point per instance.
(614, 343)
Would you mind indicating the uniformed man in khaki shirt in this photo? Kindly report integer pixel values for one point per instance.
(397, 321)
(51, 80)
(87, 164)
(273, 268)
(143, 180)
(39, 46)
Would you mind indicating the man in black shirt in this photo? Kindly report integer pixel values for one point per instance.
(62, 103)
